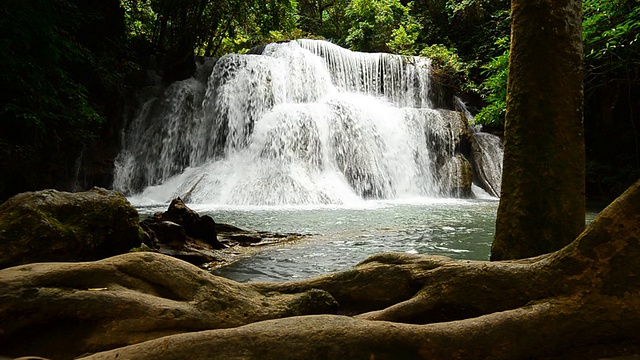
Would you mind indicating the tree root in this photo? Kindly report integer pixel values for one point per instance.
(401, 306)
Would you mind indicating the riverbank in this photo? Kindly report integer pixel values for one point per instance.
(146, 305)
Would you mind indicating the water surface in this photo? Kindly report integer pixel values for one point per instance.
(342, 236)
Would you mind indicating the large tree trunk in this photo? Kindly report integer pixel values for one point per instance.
(582, 301)
(542, 204)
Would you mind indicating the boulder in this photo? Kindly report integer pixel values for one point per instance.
(487, 152)
(180, 224)
(52, 225)
(182, 233)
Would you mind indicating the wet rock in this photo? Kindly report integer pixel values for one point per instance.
(184, 234)
(245, 239)
(487, 154)
(180, 225)
(195, 226)
(52, 225)
(456, 177)
(168, 232)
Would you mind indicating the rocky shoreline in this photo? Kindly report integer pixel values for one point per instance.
(181, 233)
(51, 225)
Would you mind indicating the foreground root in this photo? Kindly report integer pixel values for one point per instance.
(401, 305)
(63, 310)
(534, 331)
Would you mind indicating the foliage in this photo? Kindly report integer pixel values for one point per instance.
(404, 39)
(376, 24)
(139, 18)
(177, 28)
(449, 68)
(40, 97)
(494, 88)
(470, 29)
(55, 87)
(612, 84)
(470, 26)
(611, 34)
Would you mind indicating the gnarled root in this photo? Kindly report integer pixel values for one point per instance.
(402, 306)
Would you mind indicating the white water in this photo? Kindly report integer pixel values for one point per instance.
(311, 138)
(304, 123)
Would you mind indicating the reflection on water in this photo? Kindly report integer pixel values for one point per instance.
(342, 236)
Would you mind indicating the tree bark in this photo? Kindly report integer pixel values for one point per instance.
(542, 205)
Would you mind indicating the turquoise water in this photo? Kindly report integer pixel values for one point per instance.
(341, 236)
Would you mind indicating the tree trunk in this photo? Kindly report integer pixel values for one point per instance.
(542, 204)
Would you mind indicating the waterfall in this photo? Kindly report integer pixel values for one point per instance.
(304, 122)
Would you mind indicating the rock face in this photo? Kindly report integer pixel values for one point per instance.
(486, 153)
(457, 177)
(59, 226)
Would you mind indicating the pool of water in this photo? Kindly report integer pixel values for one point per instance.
(341, 236)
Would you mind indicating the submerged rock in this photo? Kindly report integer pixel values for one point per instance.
(52, 225)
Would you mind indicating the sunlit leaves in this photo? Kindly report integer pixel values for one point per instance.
(208, 27)
(612, 32)
(381, 25)
(494, 88)
(404, 39)
(449, 68)
(139, 18)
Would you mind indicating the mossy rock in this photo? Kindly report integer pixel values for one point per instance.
(50, 225)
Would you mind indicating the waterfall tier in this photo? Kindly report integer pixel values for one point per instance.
(304, 122)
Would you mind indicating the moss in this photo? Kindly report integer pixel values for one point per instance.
(141, 248)
(58, 226)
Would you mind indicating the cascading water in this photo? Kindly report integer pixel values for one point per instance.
(305, 122)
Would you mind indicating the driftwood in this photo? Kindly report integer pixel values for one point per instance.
(583, 300)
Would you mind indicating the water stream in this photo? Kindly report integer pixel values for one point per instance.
(308, 137)
(341, 236)
(305, 122)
